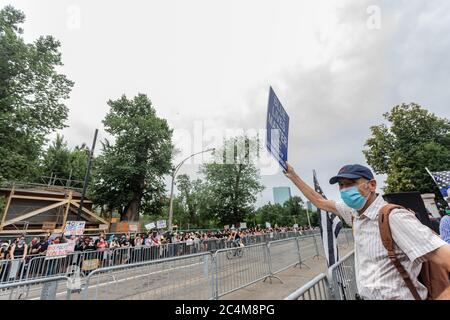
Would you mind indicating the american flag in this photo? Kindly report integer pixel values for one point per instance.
(330, 225)
(442, 180)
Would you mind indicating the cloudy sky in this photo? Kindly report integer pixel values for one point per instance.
(336, 66)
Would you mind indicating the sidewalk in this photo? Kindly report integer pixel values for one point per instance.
(293, 279)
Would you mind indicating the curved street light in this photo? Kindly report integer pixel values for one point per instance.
(174, 174)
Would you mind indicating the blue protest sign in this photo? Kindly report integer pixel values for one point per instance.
(277, 129)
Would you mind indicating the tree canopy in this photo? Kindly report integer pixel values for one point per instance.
(128, 175)
(32, 94)
(413, 139)
(232, 182)
(60, 161)
(289, 213)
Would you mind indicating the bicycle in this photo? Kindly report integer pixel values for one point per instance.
(237, 252)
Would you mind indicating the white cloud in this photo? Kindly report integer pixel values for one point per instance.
(213, 61)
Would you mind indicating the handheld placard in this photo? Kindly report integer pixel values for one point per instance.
(277, 130)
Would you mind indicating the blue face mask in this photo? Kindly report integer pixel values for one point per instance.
(353, 198)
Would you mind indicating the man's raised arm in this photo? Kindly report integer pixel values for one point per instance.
(316, 198)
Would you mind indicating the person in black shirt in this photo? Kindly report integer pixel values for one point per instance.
(43, 245)
(88, 244)
(19, 249)
(125, 241)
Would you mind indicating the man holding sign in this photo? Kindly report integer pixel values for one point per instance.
(376, 276)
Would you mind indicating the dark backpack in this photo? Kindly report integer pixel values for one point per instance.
(432, 276)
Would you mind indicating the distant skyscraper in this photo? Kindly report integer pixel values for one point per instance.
(310, 206)
(281, 194)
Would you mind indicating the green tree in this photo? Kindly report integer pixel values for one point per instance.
(190, 198)
(129, 174)
(31, 96)
(294, 212)
(233, 181)
(64, 163)
(291, 212)
(413, 139)
(272, 213)
(56, 160)
(78, 162)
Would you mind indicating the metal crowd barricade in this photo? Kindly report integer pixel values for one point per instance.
(338, 284)
(186, 277)
(237, 268)
(212, 245)
(42, 266)
(283, 254)
(316, 289)
(309, 246)
(342, 278)
(38, 266)
(192, 276)
(11, 270)
(36, 289)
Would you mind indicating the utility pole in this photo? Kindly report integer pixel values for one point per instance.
(307, 214)
(86, 177)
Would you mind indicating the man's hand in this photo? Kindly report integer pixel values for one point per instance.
(316, 198)
(290, 173)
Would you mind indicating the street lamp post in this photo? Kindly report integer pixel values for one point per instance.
(174, 174)
(307, 215)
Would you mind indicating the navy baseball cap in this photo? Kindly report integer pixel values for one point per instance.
(353, 171)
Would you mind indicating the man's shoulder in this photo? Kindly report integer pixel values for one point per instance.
(402, 212)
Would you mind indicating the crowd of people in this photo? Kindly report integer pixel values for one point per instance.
(19, 248)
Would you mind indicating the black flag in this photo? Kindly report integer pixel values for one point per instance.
(330, 225)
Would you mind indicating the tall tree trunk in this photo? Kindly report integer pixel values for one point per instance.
(132, 214)
(123, 213)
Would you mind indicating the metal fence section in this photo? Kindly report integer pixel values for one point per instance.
(342, 277)
(39, 266)
(316, 289)
(339, 283)
(38, 289)
(186, 277)
(175, 271)
(283, 254)
(236, 268)
(11, 270)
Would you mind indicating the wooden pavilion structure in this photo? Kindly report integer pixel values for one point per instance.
(39, 208)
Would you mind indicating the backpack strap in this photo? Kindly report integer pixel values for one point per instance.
(388, 243)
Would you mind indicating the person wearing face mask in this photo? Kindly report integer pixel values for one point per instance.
(19, 249)
(376, 277)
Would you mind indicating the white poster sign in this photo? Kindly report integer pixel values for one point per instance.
(74, 228)
(57, 250)
(150, 226)
(160, 224)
